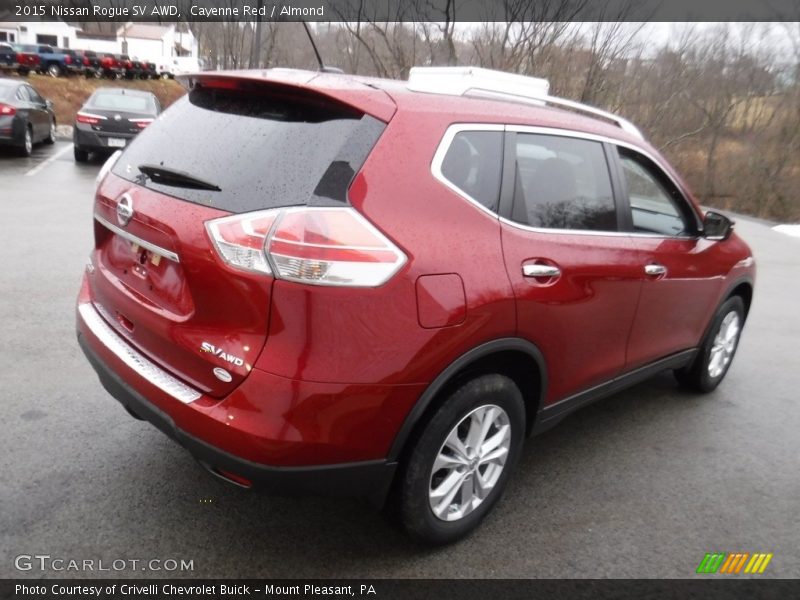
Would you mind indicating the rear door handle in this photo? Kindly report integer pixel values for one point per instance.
(540, 271)
(654, 270)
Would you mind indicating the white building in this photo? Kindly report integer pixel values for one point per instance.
(56, 33)
(152, 41)
(135, 39)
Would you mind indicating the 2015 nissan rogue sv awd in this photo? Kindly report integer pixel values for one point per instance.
(328, 283)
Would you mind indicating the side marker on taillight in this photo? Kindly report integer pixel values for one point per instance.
(315, 245)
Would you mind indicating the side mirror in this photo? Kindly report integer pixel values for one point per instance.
(49, 104)
(716, 226)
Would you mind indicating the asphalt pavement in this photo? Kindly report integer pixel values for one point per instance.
(642, 484)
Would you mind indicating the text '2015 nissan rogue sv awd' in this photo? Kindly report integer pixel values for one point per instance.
(335, 284)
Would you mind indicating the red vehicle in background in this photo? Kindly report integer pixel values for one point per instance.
(370, 287)
(111, 66)
(14, 58)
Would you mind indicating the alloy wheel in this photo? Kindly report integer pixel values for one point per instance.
(469, 463)
(724, 344)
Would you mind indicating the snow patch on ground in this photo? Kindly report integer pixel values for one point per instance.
(793, 230)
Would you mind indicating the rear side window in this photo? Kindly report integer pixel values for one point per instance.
(260, 150)
(562, 183)
(474, 164)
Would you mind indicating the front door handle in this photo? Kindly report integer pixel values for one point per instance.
(655, 270)
(540, 271)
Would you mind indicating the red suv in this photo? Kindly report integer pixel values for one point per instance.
(329, 283)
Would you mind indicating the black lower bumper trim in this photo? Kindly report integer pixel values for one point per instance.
(370, 479)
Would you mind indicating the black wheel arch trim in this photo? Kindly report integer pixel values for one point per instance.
(739, 281)
(746, 279)
(483, 350)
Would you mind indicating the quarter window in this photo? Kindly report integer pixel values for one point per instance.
(473, 164)
(562, 183)
(653, 208)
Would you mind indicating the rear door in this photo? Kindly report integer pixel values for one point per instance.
(576, 277)
(158, 278)
(40, 117)
(682, 278)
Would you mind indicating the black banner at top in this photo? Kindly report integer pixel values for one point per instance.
(399, 10)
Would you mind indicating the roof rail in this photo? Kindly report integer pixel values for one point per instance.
(498, 85)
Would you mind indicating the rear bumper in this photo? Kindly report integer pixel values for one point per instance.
(369, 479)
(88, 139)
(282, 435)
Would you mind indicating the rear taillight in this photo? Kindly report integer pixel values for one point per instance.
(89, 118)
(67, 60)
(7, 111)
(141, 123)
(85, 61)
(322, 246)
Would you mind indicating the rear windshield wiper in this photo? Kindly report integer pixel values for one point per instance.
(171, 177)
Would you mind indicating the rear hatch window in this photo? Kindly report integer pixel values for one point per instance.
(254, 150)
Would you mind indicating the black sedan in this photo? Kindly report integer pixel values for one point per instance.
(25, 117)
(110, 119)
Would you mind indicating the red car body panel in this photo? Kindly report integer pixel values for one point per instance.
(330, 375)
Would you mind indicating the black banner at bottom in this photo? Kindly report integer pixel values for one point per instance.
(391, 589)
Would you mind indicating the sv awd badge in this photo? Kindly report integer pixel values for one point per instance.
(220, 353)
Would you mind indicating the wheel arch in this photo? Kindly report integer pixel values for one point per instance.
(514, 357)
(744, 288)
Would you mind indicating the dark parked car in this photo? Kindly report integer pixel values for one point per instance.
(25, 117)
(132, 68)
(110, 118)
(14, 57)
(73, 61)
(360, 286)
(149, 70)
(90, 63)
(111, 67)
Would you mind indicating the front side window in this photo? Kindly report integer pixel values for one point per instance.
(34, 95)
(653, 208)
(474, 163)
(562, 183)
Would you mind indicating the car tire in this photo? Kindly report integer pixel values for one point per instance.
(54, 70)
(27, 142)
(23, 72)
(51, 136)
(429, 508)
(80, 154)
(716, 353)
